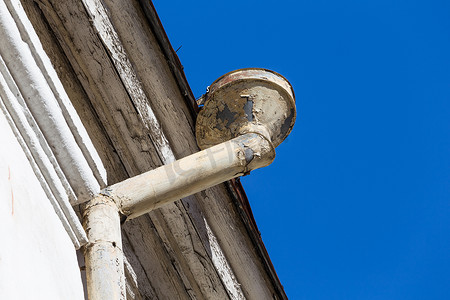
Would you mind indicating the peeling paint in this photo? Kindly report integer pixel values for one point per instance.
(248, 154)
(226, 115)
(287, 125)
(248, 100)
(248, 108)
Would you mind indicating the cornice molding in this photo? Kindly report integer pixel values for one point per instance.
(45, 122)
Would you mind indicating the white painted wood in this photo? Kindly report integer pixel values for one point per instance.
(146, 192)
(79, 132)
(109, 37)
(170, 107)
(223, 267)
(33, 145)
(157, 268)
(21, 81)
(44, 107)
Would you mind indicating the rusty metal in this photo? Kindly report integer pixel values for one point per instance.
(246, 100)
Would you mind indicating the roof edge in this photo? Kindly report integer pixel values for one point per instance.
(240, 201)
(171, 57)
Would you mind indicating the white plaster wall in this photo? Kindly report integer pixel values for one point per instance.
(37, 257)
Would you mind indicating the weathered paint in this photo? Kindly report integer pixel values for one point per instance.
(151, 190)
(103, 254)
(42, 103)
(170, 272)
(247, 100)
(148, 191)
(248, 107)
(287, 124)
(110, 38)
(46, 124)
(126, 129)
(79, 132)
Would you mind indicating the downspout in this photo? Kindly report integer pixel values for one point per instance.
(246, 114)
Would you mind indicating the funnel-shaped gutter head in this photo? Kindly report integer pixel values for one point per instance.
(246, 100)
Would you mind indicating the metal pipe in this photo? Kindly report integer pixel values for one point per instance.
(143, 193)
(148, 191)
(105, 275)
(247, 113)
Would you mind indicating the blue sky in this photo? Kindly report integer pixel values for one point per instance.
(356, 204)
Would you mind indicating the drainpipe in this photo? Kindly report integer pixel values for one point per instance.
(246, 114)
(103, 254)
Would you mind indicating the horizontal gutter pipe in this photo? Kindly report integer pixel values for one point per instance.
(148, 191)
(143, 193)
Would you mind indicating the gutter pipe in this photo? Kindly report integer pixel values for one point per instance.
(246, 114)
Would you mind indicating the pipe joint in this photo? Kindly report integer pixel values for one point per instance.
(255, 150)
(109, 193)
(246, 114)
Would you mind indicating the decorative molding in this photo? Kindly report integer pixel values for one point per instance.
(35, 148)
(34, 75)
(45, 122)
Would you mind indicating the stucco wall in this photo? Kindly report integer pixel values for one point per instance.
(37, 258)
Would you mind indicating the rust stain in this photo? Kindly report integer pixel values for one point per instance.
(12, 192)
(246, 100)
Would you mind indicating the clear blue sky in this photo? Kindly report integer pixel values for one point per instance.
(357, 202)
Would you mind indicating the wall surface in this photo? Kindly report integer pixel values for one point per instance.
(37, 257)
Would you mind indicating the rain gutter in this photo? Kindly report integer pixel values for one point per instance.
(236, 137)
(234, 186)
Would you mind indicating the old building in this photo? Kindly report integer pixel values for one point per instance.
(92, 93)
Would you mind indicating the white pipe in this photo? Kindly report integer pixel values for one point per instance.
(148, 191)
(103, 255)
(143, 193)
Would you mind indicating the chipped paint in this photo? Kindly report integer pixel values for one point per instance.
(226, 115)
(287, 125)
(248, 100)
(248, 107)
(153, 189)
